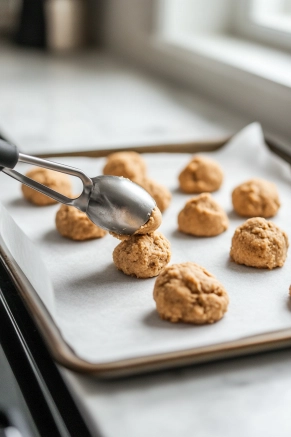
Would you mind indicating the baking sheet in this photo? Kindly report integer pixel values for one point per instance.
(106, 316)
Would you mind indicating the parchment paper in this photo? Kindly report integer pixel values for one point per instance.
(25, 254)
(105, 315)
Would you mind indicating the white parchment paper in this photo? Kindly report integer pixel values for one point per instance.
(19, 248)
(105, 315)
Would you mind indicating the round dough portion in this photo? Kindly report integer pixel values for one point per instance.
(256, 198)
(52, 179)
(202, 216)
(189, 293)
(259, 243)
(127, 164)
(143, 256)
(74, 224)
(159, 193)
(201, 175)
(150, 226)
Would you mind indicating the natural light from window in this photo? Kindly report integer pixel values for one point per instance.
(275, 14)
(264, 21)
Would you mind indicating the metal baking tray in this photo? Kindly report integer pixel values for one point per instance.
(64, 355)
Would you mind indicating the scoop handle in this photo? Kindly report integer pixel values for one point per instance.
(9, 155)
(8, 161)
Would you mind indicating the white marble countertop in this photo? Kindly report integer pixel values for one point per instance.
(90, 101)
(246, 397)
(51, 104)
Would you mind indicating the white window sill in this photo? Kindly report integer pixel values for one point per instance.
(278, 22)
(249, 78)
(258, 60)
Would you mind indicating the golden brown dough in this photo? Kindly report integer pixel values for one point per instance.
(132, 166)
(202, 217)
(159, 193)
(259, 243)
(256, 198)
(52, 179)
(127, 164)
(151, 225)
(201, 175)
(143, 256)
(74, 224)
(189, 293)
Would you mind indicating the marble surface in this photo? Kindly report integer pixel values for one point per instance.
(247, 397)
(89, 101)
(51, 104)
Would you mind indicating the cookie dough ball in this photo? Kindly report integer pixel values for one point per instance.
(256, 198)
(200, 175)
(202, 217)
(127, 164)
(143, 256)
(74, 224)
(153, 222)
(189, 293)
(159, 192)
(150, 226)
(259, 243)
(52, 179)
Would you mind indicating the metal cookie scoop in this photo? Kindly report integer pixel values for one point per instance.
(113, 203)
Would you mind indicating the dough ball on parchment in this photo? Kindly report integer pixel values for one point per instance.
(159, 193)
(150, 226)
(259, 243)
(202, 216)
(189, 293)
(201, 175)
(52, 179)
(256, 198)
(143, 256)
(127, 164)
(74, 224)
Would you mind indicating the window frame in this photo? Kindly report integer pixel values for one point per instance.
(131, 33)
(261, 30)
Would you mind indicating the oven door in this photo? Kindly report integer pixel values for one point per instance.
(34, 400)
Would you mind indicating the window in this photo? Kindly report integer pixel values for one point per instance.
(274, 14)
(213, 46)
(215, 29)
(268, 21)
(176, 17)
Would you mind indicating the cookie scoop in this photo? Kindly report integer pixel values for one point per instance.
(114, 203)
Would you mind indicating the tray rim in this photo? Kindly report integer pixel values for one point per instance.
(65, 355)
